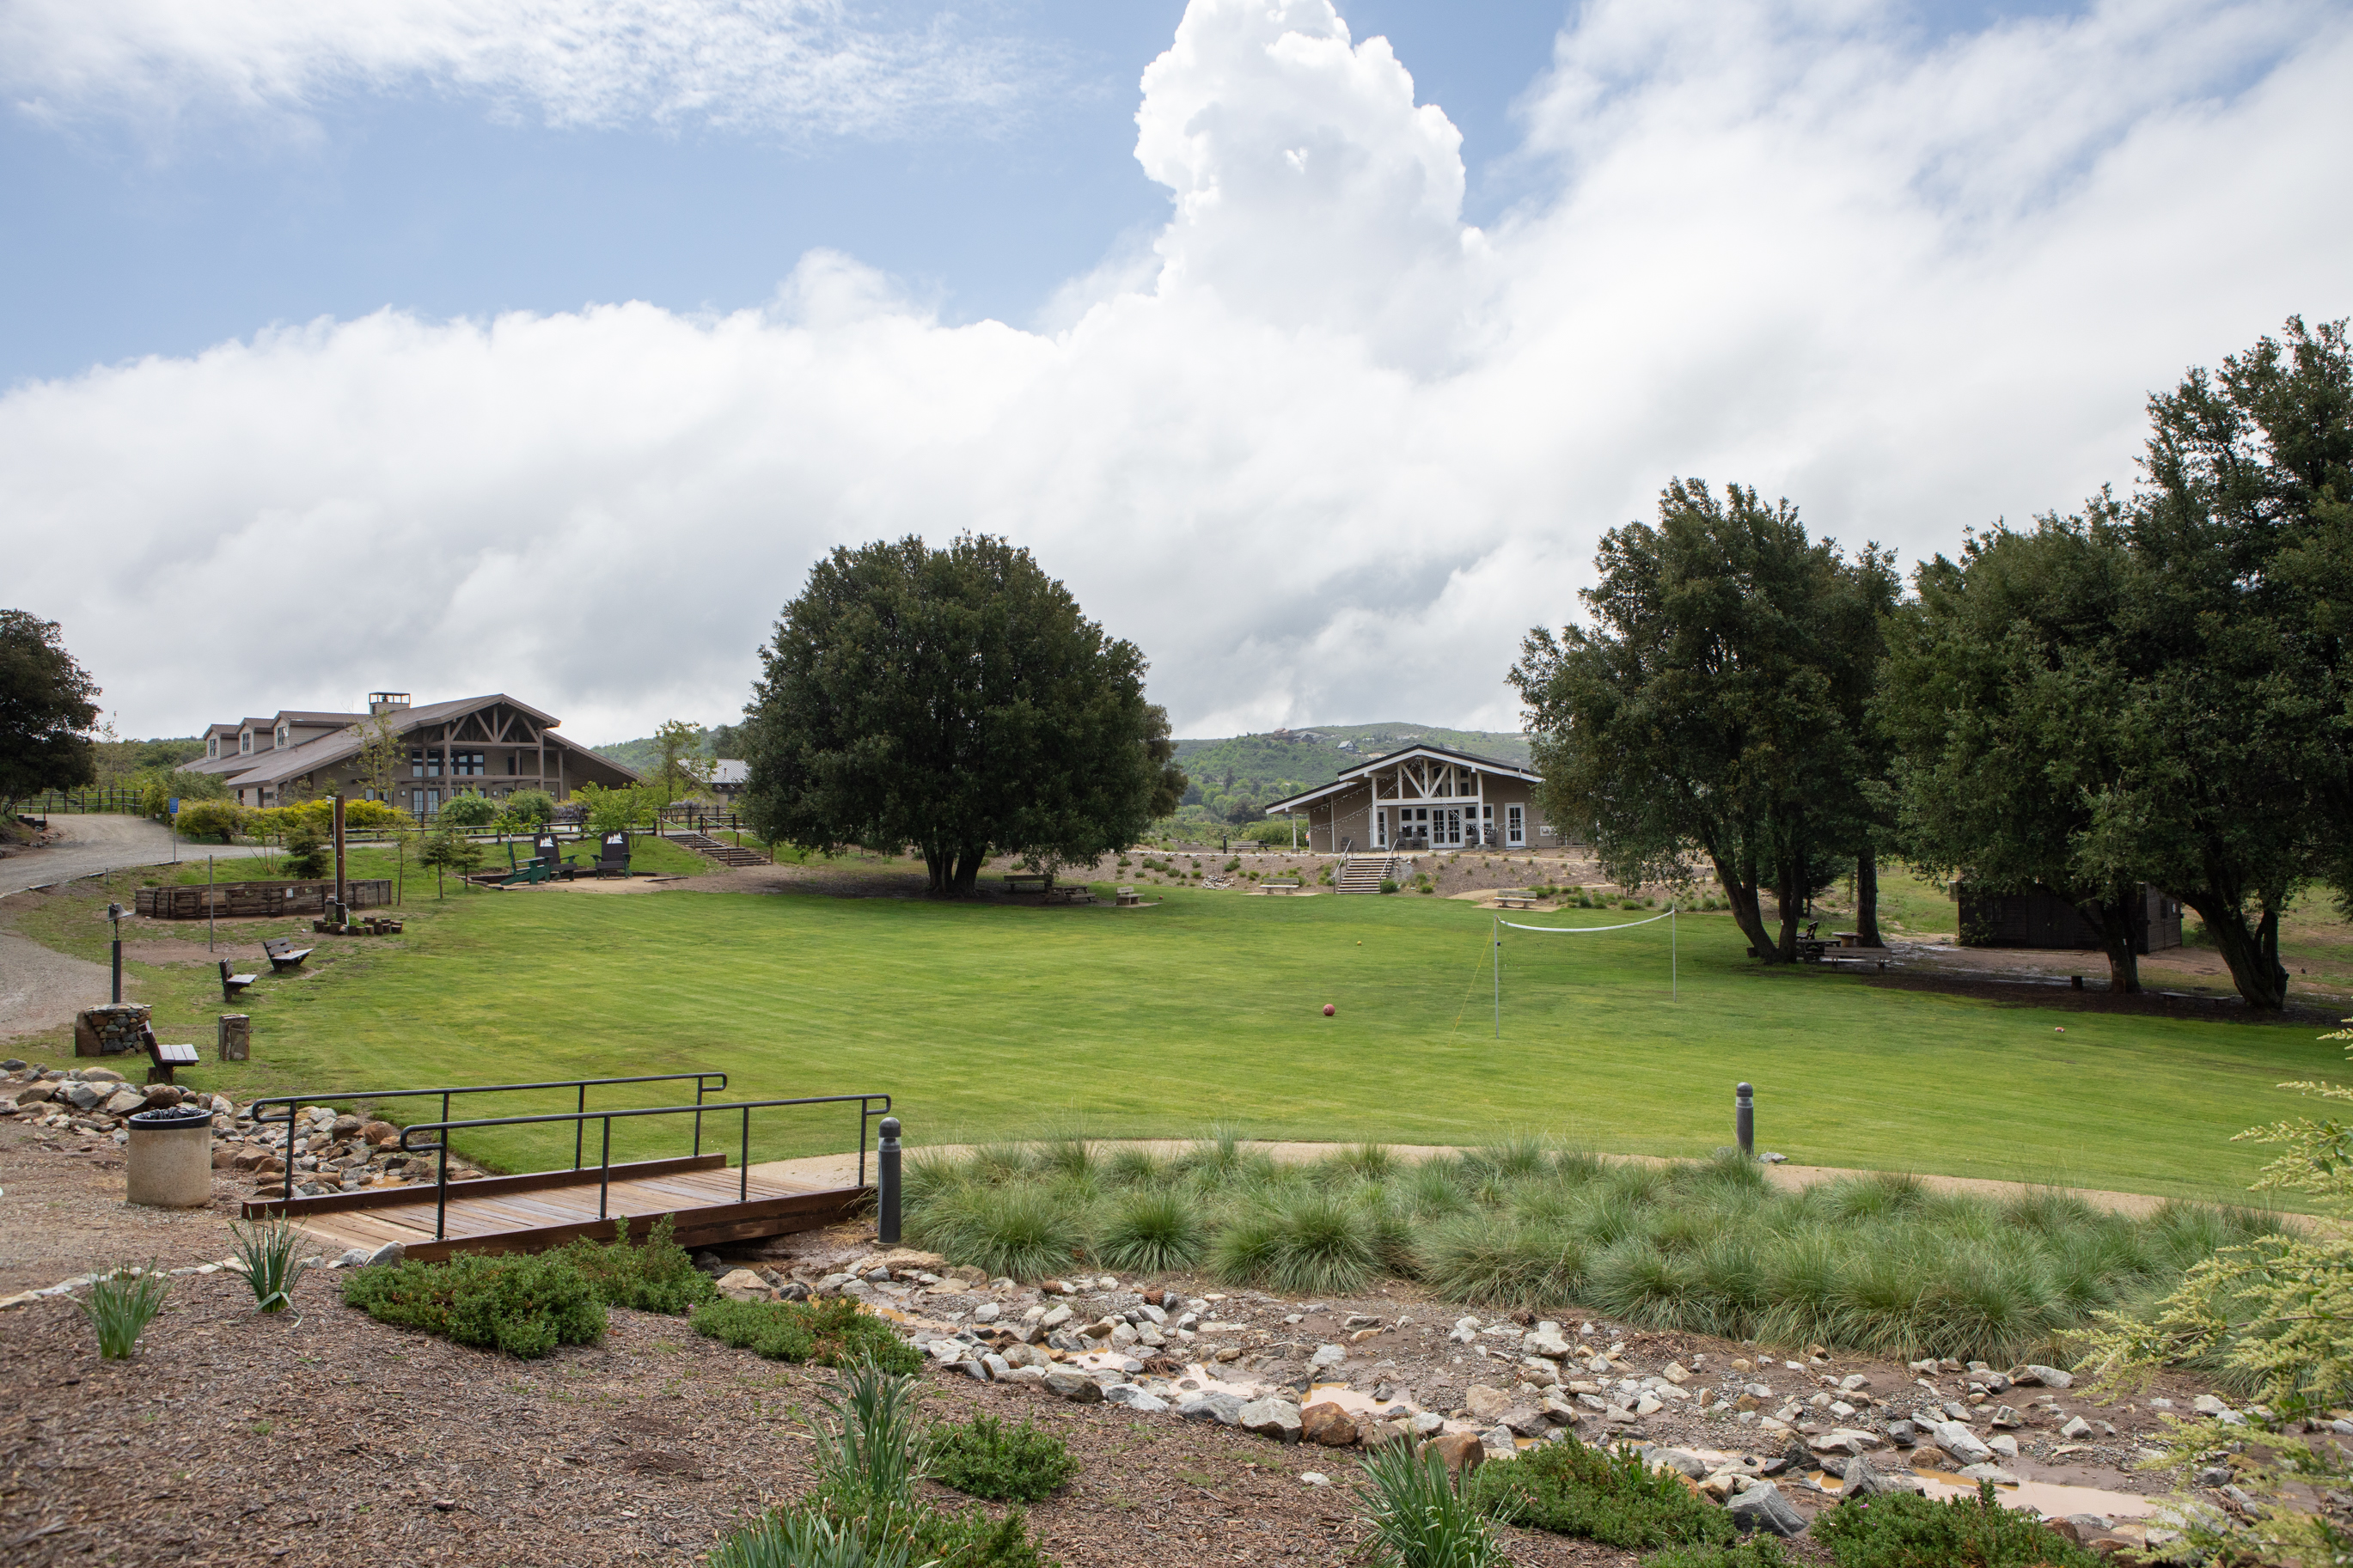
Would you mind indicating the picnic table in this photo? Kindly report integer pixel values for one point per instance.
(1070, 893)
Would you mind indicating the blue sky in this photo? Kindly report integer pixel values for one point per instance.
(1318, 383)
(131, 239)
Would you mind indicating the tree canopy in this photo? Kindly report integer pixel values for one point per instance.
(1718, 703)
(48, 708)
(957, 700)
(2157, 690)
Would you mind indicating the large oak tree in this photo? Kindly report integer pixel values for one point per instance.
(1718, 701)
(48, 708)
(957, 700)
(2158, 691)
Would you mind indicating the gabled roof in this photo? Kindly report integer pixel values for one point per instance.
(300, 716)
(730, 770)
(1405, 753)
(329, 750)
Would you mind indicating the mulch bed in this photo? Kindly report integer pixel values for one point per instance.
(322, 1437)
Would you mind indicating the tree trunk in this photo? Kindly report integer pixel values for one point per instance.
(939, 866)
(1741, 895)
(2112, 918)
(967, 871)
(1866, 897)
(1790, 905)
(2252, 954)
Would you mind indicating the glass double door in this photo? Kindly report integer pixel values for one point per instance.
(1439, 826)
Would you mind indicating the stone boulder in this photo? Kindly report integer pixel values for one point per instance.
(1960, 1442)
(1276, 1418)
(1486, 1405)
(1459, 1451)
(1222, 1408)
(2033, 1377)
(1762, 1507)
(1074, 1387)
(1328, 1424)
(742, 1285)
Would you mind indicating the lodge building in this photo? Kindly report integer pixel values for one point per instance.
(1423, 797)
(489, 745)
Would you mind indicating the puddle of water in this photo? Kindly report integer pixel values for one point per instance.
(2047, 1498)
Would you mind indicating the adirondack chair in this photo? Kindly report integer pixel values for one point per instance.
(614, 861)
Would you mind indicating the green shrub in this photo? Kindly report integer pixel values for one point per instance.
(1153, 1231)
(121, 1306)
(306, 852)
(1572, 1490)
(523, 1306)
(218, 819)
(827, 1333)
(469, 810)
(656, 1276)
(989, 1459)
(1756, 1552)
(1900, 1530)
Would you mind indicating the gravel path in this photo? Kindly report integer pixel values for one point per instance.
(86, 846)
(40, 989)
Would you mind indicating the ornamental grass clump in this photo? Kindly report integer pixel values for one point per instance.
(1879, 1263)
(1018, 1230)
(121, 1306)
(1152, 1232)
(863, 1512)
(1424, 1515)
(269, 1252)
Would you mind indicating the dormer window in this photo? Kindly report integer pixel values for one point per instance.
(212, 748)
(285, 733)
(244, 742)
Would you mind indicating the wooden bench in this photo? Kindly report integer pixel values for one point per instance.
(1515, 902)
(165, 1058)
(1017, 881)
(283, 954)
(233, 983)
(1279, 887)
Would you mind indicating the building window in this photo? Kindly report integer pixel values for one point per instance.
(467, 763)
(423, 763)
(244, 742)
(212, 748)
(285, 733)
(1515, 827)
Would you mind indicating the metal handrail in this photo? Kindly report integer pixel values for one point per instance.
(704, 1083)
(866, 1112)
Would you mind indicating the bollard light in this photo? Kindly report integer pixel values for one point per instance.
(886, 1185)
(1743, 1120)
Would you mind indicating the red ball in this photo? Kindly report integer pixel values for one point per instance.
(1329, 1009)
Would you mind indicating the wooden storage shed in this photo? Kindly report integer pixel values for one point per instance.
(2041, 918)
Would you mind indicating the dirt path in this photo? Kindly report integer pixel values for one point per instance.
(86, 846)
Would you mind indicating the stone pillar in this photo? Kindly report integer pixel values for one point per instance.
(109, 1029)
(235, 1036)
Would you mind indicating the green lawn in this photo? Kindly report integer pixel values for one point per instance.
(992, 1021)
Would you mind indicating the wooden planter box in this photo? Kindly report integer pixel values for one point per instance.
(247, 900)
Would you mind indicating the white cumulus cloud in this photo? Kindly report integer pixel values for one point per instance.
(1326, 452)
(796, 66)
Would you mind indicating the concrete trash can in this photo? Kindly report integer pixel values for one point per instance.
(170, 1157)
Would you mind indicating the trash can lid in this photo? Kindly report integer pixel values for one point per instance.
(171, 1115)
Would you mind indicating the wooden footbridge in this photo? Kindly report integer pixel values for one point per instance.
(707, 1203)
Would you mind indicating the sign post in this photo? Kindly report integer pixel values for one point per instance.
(342, 913)
(172, 821)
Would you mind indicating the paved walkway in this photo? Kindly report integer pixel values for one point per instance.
(94, 844)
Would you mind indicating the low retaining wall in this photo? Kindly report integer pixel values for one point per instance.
(250, 898)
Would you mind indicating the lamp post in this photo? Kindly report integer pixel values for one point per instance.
(114, 919)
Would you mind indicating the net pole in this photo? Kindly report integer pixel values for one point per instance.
(1496, 958)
